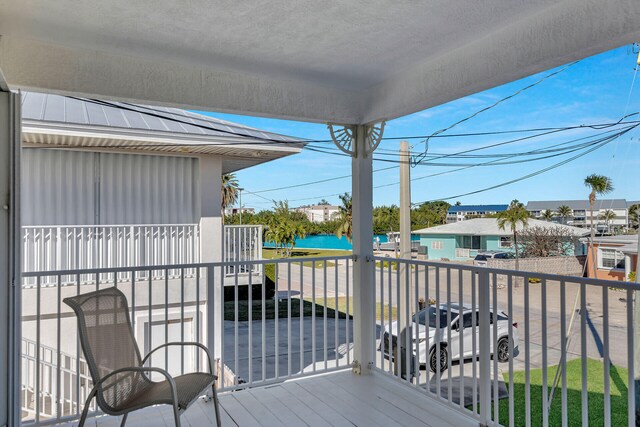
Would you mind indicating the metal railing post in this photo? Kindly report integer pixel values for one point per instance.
(214, 297)
(484, 306)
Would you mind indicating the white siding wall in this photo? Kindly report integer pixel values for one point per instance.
(137, 189)
(81, 188)
(58, 187)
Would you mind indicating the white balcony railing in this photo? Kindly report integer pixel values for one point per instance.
(260, 347)
(558, 331)
(549, 327)
(52, 248)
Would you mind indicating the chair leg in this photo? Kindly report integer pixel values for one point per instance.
(216, 406)
(124, 419)
(176, 414)
(85, 410)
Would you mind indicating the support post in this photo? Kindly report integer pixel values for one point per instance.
(363, 265)
(211, 244)
(10, 250)
(484, 307)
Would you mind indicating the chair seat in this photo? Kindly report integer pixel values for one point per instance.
(188, 388)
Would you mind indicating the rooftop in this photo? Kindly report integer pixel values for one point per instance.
(628, 243)
(489, 227)
(64, 121)
(540, 205)
(477, 208)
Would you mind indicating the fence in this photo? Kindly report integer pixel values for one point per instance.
(508, 354)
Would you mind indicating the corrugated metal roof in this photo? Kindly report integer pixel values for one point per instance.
(489, 227)
(79, 111)
(540, 205)
(478, 208)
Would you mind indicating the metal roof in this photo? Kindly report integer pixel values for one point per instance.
(541, 205)
(55, 121)
(489, 227)
(478, 208)
(81, 111)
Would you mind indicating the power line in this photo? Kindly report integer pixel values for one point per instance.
(456, 154)
(598, 144)
(559, 152)
(536, 173)
(426, 141)
(173, 119)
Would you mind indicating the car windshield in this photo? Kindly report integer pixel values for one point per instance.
(481, 258)
(433, 315)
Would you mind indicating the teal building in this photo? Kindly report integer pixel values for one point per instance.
(463, 240)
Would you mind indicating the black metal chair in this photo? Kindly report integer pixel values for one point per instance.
(122, 383)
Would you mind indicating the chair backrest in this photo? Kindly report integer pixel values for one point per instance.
(108, 344)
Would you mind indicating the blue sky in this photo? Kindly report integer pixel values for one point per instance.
(594, 90)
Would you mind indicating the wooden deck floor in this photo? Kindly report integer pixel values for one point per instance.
(334, 399)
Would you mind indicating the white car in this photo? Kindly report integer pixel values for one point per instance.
(436, 331)
(481, 259)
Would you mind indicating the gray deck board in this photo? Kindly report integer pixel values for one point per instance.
(339, 399)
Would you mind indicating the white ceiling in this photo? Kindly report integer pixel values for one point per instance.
(331, 61)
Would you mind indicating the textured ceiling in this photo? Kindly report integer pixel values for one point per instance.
(339, 61)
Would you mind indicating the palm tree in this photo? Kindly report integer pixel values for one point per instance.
(564, 212)
(547, 215)
(229, 191)
(599, 185)
(516, 214)
(345, 227)
(607, 216)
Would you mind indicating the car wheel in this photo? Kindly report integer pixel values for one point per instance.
(434, 359)
(503, 350)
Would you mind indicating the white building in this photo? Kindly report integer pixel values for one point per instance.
(237, 210)
(581, 214)
(320, 212)
(116, 185)
(457, 213)
(103, 176)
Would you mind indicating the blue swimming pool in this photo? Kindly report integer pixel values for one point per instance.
(330, 241)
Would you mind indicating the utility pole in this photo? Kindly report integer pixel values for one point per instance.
(636, 319)
(404, 277)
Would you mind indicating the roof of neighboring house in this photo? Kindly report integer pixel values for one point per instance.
(622, 239)
(477, 208)
(65, 121)
(631, 203)
(489, 227)
(627, 243)
(540, 205)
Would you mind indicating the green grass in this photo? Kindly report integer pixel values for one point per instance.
(595, 387)
(270, 253)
